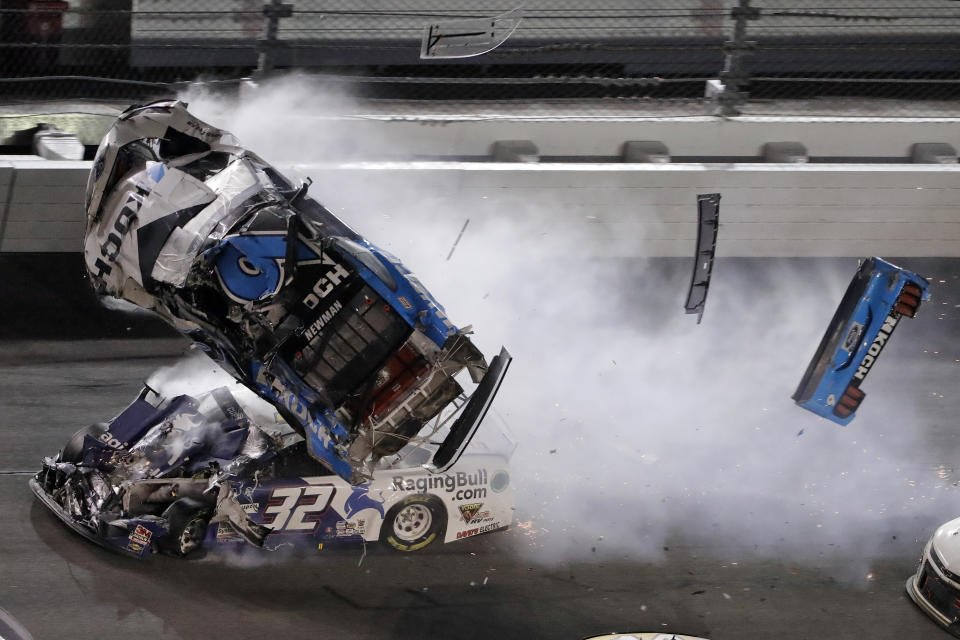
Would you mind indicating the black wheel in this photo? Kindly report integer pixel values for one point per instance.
(414, 523)
(187, 520)
(73, 452)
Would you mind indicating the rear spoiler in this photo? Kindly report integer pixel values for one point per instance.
(466, 424)
(828, 344)
(878, 297)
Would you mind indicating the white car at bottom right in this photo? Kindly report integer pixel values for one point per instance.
(935, 587)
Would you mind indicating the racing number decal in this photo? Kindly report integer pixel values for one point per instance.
(307, 504)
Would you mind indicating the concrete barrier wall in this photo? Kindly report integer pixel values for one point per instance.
(629, 210)
(42, 204)
(697, 137)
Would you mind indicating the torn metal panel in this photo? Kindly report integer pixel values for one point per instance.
(878, 297)
(708, 212)
(467, 38)
(337, 334)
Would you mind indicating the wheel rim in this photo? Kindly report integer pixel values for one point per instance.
(412, 523)
(192, 536)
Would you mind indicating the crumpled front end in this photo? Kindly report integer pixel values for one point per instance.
(83, 499)
(121, 484)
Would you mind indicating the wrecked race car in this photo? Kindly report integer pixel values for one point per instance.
(180, 474)
(349, 346)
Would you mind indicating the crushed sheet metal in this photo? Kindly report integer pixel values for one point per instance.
(347, 344)
(708, 212)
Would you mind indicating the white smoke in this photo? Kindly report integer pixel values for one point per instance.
(637, 428)
(196, 374)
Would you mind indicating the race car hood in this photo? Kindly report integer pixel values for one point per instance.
(946, 544)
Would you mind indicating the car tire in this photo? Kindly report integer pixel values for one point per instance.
(73, 451)
(187, 522)
(414, 523)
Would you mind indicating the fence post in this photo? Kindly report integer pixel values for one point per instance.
(733, 76)
(267, 45)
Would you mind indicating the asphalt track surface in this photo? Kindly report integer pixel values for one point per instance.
(59, 585)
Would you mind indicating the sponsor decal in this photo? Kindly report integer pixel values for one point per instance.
(347, 529)
(853, 337)
(225, 530)
(139, 538)
(326, 284)
(464, 486)
(889, 324)
(203, 132)
(251, 267)
(467, 533)
(107, 438)
(469, 511)
(322, 320)
(110, 249)
(404, 302)
(250, 507)
(490, 527)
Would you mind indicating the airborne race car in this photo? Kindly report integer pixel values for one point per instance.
(338, 335)
(178, 474)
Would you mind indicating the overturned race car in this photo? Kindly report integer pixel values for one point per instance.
(348, 345)
(179, 474)
(878, 297)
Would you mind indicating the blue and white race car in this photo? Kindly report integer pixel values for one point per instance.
(175, 475)
(337, 334)
(878, 297)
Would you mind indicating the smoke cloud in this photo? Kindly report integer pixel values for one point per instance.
(639, 429)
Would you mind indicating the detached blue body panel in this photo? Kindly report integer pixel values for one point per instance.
(878, 297)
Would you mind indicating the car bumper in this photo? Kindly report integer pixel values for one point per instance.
(926, 606)
(84, 530)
